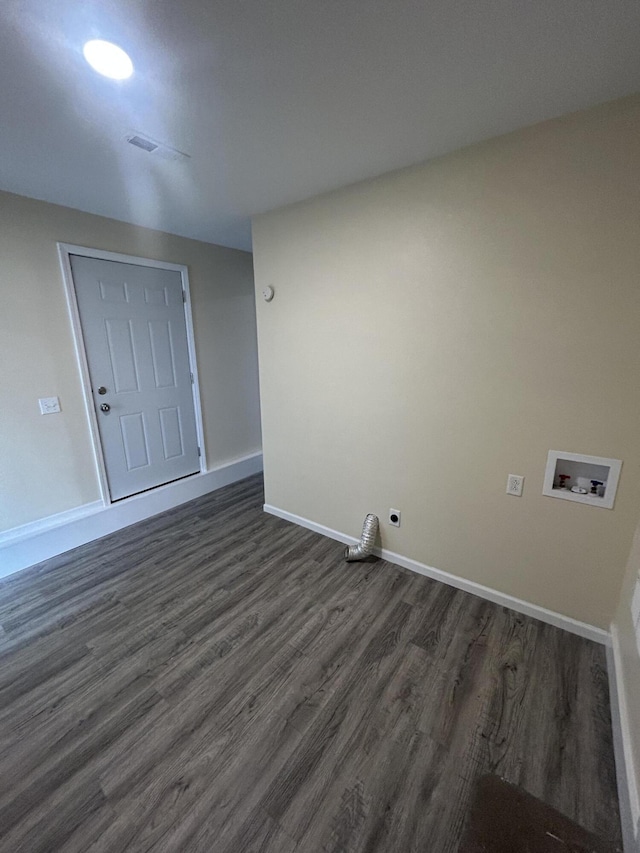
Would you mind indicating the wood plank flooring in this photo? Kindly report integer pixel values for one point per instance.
(216, 679)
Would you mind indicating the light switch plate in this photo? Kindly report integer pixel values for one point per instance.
(49, 405)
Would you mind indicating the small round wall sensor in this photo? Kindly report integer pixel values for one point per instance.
(268, 293)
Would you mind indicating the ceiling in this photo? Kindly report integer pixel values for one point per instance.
(277, 100)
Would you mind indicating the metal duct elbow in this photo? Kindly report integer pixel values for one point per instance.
(367, 541)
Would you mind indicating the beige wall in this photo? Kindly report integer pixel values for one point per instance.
(628, 672)
(46, 462)
(442, 326)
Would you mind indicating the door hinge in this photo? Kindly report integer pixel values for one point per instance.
(199, 452)
(184, 296)
(191, 375)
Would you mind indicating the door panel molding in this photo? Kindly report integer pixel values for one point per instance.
(65, 250)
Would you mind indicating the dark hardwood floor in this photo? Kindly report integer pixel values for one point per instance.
(216, 679)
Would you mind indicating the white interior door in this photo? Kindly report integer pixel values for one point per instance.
(135, 338)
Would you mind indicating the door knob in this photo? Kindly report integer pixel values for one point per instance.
(105, 407)
(102, 390)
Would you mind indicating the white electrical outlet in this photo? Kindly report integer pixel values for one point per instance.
(515, 482)
(635, 612)
(49, 405)
(635, 603)
(394, 517)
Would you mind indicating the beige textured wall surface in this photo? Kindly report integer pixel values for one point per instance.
(46, 462)
(629, 662)
(442, 326)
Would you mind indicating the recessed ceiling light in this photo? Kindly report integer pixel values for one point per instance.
(108, 59)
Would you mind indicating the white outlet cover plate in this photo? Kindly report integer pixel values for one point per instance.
(515, 484)
(635, 612)
(49, 405)
(635, 604)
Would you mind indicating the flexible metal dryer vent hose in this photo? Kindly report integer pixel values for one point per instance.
(365, 545)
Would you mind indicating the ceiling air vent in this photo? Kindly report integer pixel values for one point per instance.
(154, 147)
(141, 142)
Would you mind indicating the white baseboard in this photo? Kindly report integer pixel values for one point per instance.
(31, 543)
(628, 794)
(582, 629)
(50, 522)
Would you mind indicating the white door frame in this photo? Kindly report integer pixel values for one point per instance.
(65, 250)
